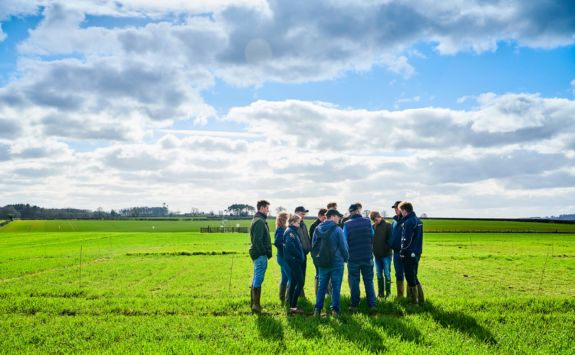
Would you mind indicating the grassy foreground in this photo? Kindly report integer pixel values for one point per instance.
(98, 291)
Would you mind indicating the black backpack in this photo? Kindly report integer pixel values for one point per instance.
(323, 250)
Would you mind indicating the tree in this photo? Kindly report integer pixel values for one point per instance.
(240, 209)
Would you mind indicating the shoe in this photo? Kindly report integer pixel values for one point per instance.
(296, 310)
(256, 295)
(335, 314)
(317, 313)
(420, 295)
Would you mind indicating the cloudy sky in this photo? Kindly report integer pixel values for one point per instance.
(466, 108)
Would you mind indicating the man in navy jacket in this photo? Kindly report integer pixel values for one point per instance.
(411, 249)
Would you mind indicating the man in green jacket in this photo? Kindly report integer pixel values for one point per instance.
(260, 252)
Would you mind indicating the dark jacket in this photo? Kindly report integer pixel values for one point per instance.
(381, 239)
(279, 241)
(395, 242)
(358, 234)
(411, 236)
(293, 251)
(341, 252)
(260, 237)
(313, 227)
(304, 237)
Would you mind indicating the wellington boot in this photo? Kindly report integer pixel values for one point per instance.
(283, 290)
(380, 286)
(257, 294)
(400, 288)
(420, 295)
(387, 288)
(413, 296)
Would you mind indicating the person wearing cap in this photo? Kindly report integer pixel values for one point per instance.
(305, 241)
(358, 234)
(382, 253)
(260, 251)
(320, 218)
(330, 231)
(411, 249)
(295, 258)
(395, 244)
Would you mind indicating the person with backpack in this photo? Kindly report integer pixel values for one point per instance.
(358, 234)
(411, 249)
(281, 224)
(295, 258)
(382, 253)
(320, 218)
(329, 253)
(260, 252)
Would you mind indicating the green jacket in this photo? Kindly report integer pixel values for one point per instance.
(260, 237)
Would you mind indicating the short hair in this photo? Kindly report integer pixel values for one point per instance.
(322, 212)
(373, 215)
(358, 204)
(294, 218)
(406, 206)
(332, 205)
(281, 219)
(262, 203)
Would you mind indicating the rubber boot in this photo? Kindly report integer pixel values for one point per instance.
(380, 287)
(387, 288)
(257, 293)
(400, 288)
(283, 289)
(420, 295)
(413, 296)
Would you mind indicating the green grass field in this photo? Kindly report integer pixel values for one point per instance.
(119, 286)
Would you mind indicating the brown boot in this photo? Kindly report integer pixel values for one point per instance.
(256, 294)
(420, 295)
(283, 290)
(413, 295)
(400, 288)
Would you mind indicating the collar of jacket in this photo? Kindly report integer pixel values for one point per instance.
(261, 215)
(293, 228)
(355, 216)
(397, 218)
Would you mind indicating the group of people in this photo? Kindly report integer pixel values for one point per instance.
(333, 240)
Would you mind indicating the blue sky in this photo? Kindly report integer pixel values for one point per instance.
(464, 109)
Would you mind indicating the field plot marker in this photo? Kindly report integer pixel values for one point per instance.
(231, 269)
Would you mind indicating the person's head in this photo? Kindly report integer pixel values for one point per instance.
(396, 208)
(354, 209)
(281, 219)
(332, 206)
(375, 217)
(321, 214)
(294, 220)
(405, 208)
(301, 211)
(333, 215)
(263, 206)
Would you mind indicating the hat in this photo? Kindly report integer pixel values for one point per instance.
(396, 204)
(353, 207)
(333, 212)
(301, 209)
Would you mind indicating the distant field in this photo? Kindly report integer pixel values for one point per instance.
(443, 226)
(187, 292)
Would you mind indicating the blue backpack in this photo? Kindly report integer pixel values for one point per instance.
(323, 250)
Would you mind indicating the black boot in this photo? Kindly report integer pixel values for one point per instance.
(256, 293)
(283, 290)
(387, 288)
(380, 287)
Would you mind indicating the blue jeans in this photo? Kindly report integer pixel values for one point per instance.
(335, 274)
(398, 266)
(260, 266)
(285, 271)
(353, 271)
(411, 266)
(383, 267)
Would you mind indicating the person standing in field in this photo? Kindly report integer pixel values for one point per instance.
(396, 246)
(320, 218)
(295, 258)
(358, 234)
(411, 249)
(305, 241)
(279, 242)
(382, 253)
(329, 252)
(260, 252)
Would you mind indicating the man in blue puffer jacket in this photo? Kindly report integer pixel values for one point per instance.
(396, 246)
(330, 232)
(411, 248)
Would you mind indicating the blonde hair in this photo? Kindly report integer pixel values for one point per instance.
(294, 218)
(281, 219)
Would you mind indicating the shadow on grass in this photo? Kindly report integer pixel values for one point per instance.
(390, 320)
(270, 328)
(459, 321)
(304, 324)
(364, 337)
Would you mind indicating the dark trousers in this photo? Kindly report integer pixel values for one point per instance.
(296, 282)
(304, 268)
(410, 267)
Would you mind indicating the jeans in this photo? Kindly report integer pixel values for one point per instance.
(383, 267)
(398, 266)
(335, 274)
(411, 266)
(296, 282)
(260, 266)
(353, 271)
(285, 271)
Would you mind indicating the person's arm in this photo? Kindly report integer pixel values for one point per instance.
(345, 233)
(343, 245)
(268, 243)
(407, 235)
(278, 238)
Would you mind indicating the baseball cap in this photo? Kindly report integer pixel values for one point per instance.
(353, 207)
(396, 204)
(301, 209)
